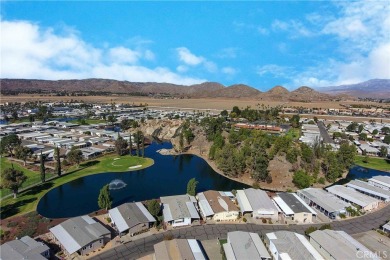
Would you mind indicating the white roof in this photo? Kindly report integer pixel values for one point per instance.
(284, 207)
(191, 208)
(117, 218)
(351, 195)
(243, 201)
(196, 250)
(205, 208)
(65, 239)
(369, 188)
(383, 180)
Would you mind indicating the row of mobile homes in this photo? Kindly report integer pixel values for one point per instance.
(370, 190)
(367, 203)
(324, 201)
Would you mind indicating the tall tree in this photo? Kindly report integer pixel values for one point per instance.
(154, 207)
(191, 187)
(42, 168)
(105, 199)
(383, 151)
(12, 179)
(142, 146)
(181, 142)
(8, 143)
(22, 152)
(121, 146)
(75, 156)
(130, 144)
(58, 159)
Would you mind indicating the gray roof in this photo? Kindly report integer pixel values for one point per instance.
(293, 202)
(326, 200)
(340, 245)
(25, 248)
(178, 207)
(254, 200)
(129, 215)
(383, 180)
(369, 188)
(245, 245)
(295, 245)
(352, 195)
(78, 232)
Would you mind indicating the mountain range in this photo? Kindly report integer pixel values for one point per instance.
(371, 88)
(374, 88)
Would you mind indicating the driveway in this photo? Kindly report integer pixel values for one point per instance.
(324, 133)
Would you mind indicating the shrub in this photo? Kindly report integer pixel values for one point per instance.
(244, 219)
(108, 220)
(12, 224)
(321, 180)
(310, 230)
(270, 221)
(263, 220)
(256, 185)
(325, 226)
(168, 236)
(341, 215)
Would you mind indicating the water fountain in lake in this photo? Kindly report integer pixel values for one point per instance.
(116, 184)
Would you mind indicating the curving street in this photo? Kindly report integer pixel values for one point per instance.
(144, 246)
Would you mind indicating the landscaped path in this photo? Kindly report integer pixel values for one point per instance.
(144, 246)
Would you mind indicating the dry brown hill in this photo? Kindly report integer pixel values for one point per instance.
(203, 90)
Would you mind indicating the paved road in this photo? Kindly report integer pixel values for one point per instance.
(324, 133)
(144, 246)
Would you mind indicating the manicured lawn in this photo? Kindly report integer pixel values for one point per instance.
(32, 177)
(374, 163)
(28, 200)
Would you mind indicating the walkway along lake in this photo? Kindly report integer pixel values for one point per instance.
(168, 176)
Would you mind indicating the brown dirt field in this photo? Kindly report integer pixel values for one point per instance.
(204, 103)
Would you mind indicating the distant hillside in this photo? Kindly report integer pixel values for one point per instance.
(203, 90)
(374, 88)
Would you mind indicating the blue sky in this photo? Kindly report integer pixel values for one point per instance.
(262, 44)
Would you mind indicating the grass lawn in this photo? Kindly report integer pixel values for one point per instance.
(28, 200)
(89, 121)
(373, 163)
(32, 177)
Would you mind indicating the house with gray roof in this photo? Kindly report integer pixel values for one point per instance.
(370, 190)
(380, 181)
(80, 234)
(24, 248)
(290, 245)
(324, 201)
(245, 245)
(256, 203)
(338, 245)
(350, 195)
(294, 208)
(179, 210)
(131, 217)
(386, 227)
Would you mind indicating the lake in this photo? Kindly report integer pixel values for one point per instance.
(168, 176)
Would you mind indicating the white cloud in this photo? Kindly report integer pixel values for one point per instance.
(229, 53)
(262, 30)
(361, 29)
(123, 55)
(274, 70)
(293, 27)
(188, 58)
(229, 70)
(29, 51)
